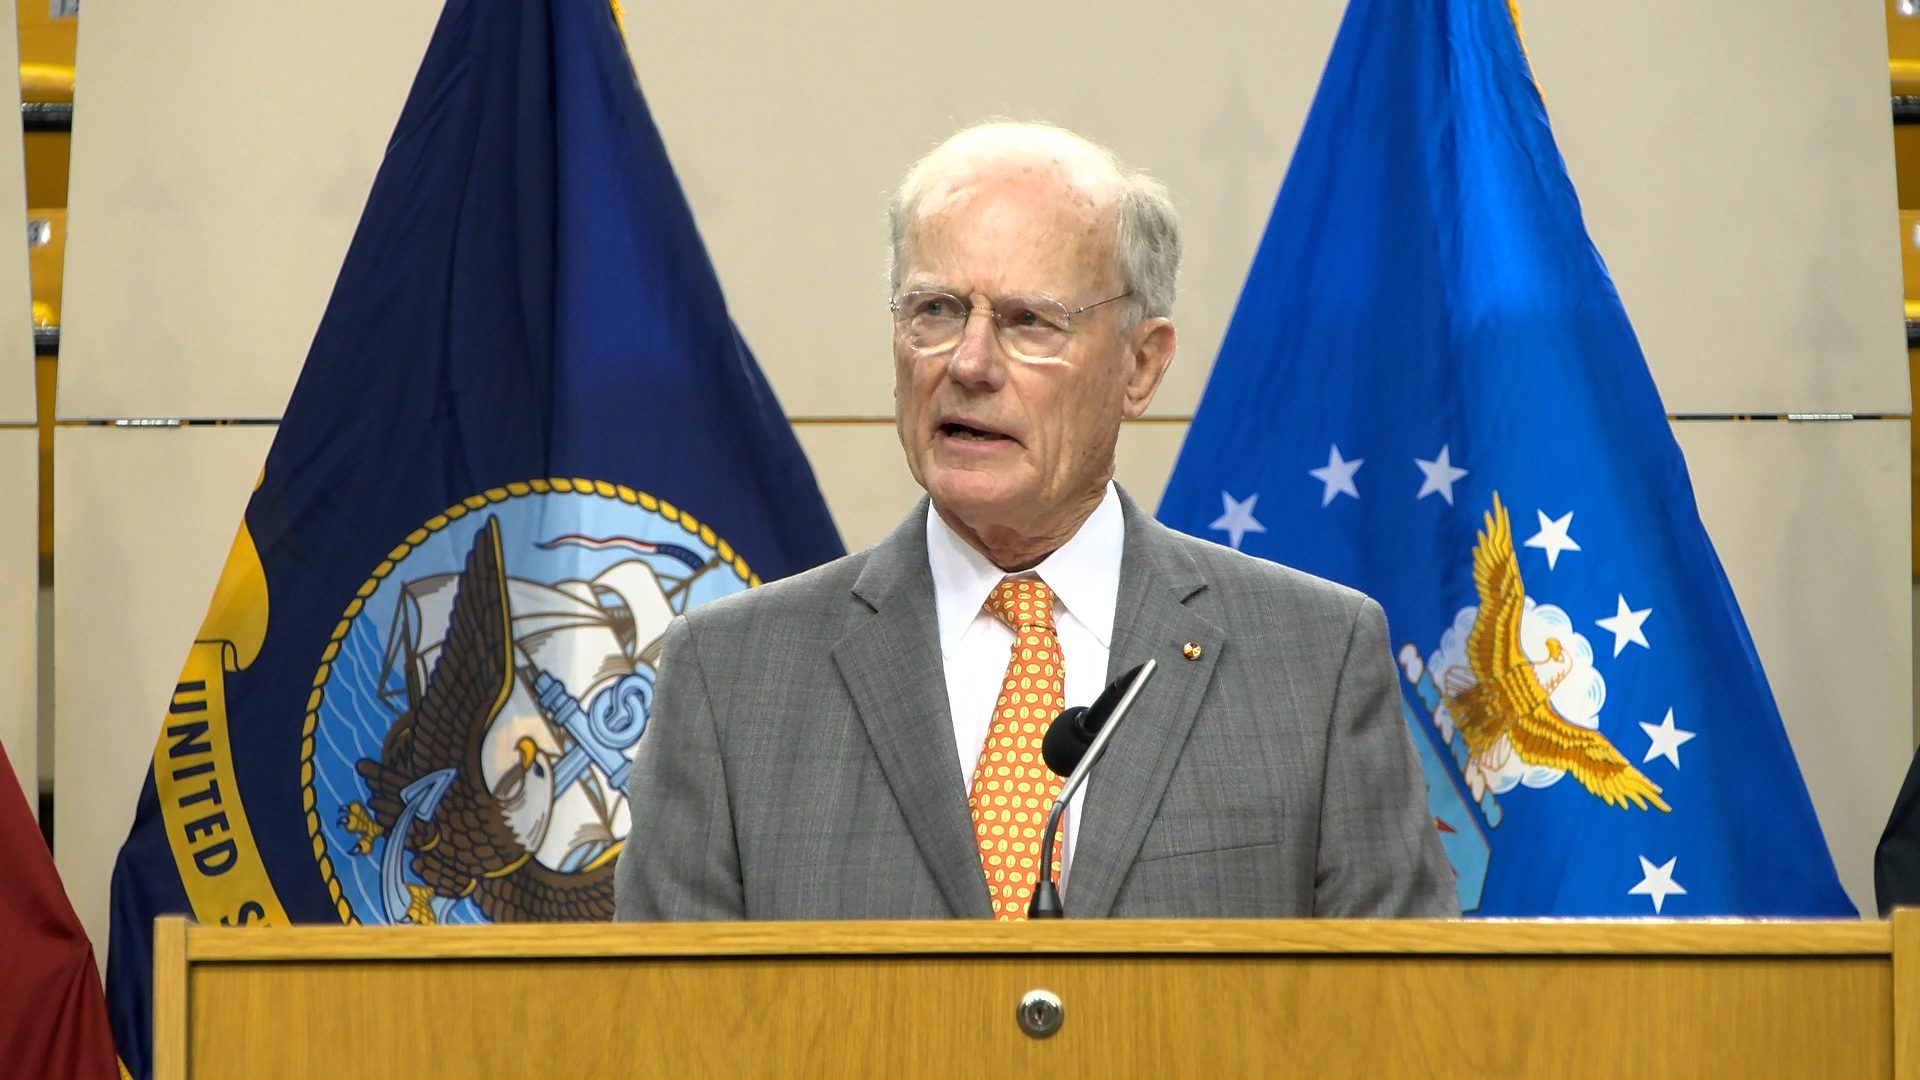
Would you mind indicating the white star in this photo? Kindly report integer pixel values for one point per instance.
(1238, 518)
(1552, 537)
(1658, 882)
(1440, 475)
(1337, 475)
(1624, 624)
(1667, 740)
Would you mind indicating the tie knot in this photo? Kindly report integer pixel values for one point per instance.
(1022, 603)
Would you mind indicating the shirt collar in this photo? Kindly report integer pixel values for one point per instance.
(1084, 573)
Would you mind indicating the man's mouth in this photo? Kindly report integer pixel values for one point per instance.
(967, 432)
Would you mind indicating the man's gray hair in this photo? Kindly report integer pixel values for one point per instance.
(1147, 228)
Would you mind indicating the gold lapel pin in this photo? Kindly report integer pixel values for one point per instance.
(1191, 650)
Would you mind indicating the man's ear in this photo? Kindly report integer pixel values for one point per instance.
(1153, 343)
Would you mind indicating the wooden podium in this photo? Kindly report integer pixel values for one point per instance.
(1159, 998)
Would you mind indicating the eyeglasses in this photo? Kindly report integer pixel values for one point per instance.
(1030, 327)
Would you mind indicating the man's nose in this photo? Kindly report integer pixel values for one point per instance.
(976, 358)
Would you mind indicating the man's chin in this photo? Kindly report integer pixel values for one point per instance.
(973, 496)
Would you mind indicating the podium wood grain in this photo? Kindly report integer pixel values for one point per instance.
(1146, 998)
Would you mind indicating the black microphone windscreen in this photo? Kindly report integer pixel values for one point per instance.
(1066, 741)
(1073, 731)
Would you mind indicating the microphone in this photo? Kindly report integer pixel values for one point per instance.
(1083, 736)
(1074, 730)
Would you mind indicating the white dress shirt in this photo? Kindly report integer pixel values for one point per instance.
(1084, 575)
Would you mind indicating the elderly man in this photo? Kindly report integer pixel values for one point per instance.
(862, 740)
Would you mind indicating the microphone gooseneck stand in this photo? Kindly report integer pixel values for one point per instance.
(1046, 895)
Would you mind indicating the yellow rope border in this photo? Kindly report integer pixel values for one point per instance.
(560, 485)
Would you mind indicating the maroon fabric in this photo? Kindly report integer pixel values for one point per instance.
(53, 1017)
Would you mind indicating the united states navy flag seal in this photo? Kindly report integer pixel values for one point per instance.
(470, 739)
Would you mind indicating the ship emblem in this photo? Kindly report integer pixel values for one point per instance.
(477, 715)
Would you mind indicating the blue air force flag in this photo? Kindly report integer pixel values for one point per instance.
(526, 436)
(1430, 391)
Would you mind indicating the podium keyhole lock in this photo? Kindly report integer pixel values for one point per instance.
(1040, 1013)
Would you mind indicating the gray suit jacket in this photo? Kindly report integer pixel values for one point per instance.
(800, 762)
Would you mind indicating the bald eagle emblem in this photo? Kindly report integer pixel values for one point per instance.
(479, 709)
(462, 783)
(1501, 699)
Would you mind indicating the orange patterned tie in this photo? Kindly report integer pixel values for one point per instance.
(1012, 787)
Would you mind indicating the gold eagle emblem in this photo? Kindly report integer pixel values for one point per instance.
(1503, 705)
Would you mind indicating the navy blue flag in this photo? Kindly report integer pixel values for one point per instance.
(526, 436)
(1430, 391)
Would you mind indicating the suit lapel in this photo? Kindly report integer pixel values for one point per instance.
(892, 667)
(1154, 617)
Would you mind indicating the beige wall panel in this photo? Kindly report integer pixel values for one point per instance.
(862, 476)
(19, 606)
(868, 489)
(144, 518)
(222, 152)
(1144, 460)
(17, 402)
(789, 128)
(1734, 156)
(1736, 168)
